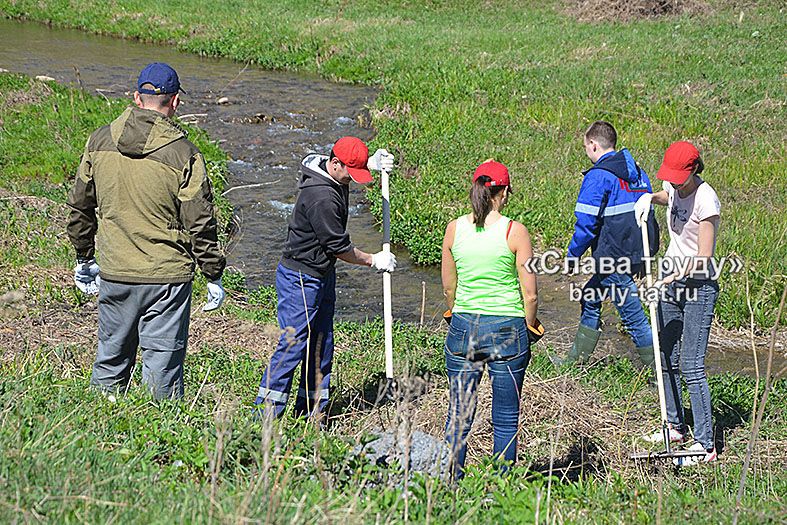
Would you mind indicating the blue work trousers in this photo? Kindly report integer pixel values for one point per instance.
(306, 306)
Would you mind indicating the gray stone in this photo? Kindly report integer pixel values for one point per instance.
(428, 455)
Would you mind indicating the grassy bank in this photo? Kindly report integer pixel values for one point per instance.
(72, 455)
(464, 81)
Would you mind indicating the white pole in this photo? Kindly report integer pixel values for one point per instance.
(655, 332)
(387, 315)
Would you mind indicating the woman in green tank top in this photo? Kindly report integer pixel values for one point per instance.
(493, 299)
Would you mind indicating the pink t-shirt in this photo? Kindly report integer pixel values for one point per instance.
(684, 216)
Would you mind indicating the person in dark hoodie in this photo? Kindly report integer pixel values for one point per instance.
(306, 278)
(606, 224)
(142, 199)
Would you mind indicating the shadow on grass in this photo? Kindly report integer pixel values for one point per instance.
(727, 417)
(377, 391)
(582, 459)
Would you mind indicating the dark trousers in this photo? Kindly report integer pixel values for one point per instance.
(306, 306)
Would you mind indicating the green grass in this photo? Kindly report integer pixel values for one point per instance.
(70, 455)
(463, 81)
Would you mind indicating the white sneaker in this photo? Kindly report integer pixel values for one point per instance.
(690, 461)
(658, 436)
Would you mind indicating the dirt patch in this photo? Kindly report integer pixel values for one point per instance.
(629, 10)
(566, 428)
(57, 326)
(37, 92)
(233, 334)
(23, 202)
(31, 290)
(75, 329)
(563, 425)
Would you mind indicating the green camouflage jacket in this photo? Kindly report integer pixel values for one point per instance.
(142, 197)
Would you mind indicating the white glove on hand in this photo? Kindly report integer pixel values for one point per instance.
(384, 261)
(86, 276)
(216, 295)
(642, 208)
(381, 160)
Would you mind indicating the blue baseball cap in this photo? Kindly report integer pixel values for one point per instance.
(163, 78)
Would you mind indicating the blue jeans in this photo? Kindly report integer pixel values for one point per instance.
(306, 306)
(621, 289)
(473, 343)
(685, 316)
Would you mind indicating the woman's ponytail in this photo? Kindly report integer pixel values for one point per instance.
(699, 166)
(480, 198)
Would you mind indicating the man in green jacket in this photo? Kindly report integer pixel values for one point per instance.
(143, 200)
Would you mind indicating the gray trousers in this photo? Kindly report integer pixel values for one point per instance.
(154, 317)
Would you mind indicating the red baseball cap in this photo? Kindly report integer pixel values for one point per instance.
(354, 154)
(680, 159)
(495, 171)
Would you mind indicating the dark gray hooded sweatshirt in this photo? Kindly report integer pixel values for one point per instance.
(317, 230)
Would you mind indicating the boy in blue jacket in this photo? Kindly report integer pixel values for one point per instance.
(606, 224)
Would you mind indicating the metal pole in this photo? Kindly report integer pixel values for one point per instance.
(655, 332)
(387, 315)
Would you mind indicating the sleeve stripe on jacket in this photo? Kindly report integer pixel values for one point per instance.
(586, 208)
(619, 209)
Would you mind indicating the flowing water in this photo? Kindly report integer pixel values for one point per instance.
(267, 121)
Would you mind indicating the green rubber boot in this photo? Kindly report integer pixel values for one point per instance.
(645, 354)
(646, 358)
(583, 347)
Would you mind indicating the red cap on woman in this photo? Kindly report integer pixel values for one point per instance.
(680, 160)
(495, 171)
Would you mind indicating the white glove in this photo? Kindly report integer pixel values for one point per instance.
(384, 261)
(216, 295)
(642, 208)
(86, 276)
(381, 160)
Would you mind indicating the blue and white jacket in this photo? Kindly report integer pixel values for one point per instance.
(605, 210)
